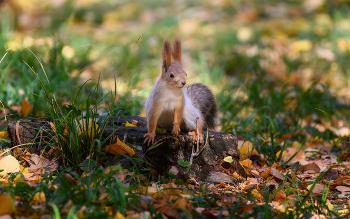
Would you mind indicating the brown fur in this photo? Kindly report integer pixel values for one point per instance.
(177, 50)
(165, 106)
(166, 55)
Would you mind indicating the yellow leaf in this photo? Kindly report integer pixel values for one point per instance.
(256, 194)
(119, 148)
(91, 130)
(228, 159)
(246, 149)
(25, 172)
(9, 164)
(118, 215)
(39, 197)
(279, 152)
(80, 213)
(26, 107)
(4, 182)
(127, 124)
(247, 163)
(6, 203)
(181, 203)
(4, 134)
(18, 178)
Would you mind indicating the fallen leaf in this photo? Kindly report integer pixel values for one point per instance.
(165, 209)
(118, 215)
(245, 209)
(9, 164)
(135, 123)
(4, 135)
(280, 196)
(299, 157)
(41, 164)
(310, 166)
(343, 188)
(26, 107)
(246, 149)
(129, 125)
(91, 130)
(342, 181)
(80, 213)
(257, 194)
(275, 173)
(228, 159)
(181, 203)
(318, 190)
(25, 172)
(39, 198)
(119, 148)
(247, 163)
(7, 205)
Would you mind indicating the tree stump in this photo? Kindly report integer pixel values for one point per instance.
(207, 166)
(30, 132)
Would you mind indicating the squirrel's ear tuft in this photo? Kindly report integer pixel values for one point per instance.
(166, 54)
(177, 50)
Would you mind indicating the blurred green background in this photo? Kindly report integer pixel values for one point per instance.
(273, 65)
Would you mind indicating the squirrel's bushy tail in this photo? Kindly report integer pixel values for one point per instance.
(203, 99)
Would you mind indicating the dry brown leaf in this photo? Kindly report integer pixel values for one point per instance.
(165, 209)
(343, 188)
(342, 181)
(276, 174)
(25, 109)
(135, 123)
(322, 165)
(299, 157)
(40, 164)
(119, 148)
(245, 209)
(280, 196)
(311, 166)
(318, 190)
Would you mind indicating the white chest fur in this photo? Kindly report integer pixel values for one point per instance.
(170, 99)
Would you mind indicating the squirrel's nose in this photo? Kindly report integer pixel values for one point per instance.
(183, 82)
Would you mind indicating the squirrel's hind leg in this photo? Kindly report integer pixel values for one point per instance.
(198, 132)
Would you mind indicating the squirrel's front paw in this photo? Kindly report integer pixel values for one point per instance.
(149, 138)
(175, 131)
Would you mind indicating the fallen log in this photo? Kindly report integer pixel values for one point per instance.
(207, 165)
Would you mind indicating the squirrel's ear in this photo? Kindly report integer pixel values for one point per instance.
(177, 50)
(166, 55)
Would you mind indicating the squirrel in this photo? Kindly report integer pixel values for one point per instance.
(171, 104)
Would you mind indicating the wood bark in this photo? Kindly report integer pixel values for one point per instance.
(207, 166)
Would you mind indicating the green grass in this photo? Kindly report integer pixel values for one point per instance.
(265, 85)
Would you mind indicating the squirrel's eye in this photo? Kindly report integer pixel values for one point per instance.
(171, 75)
